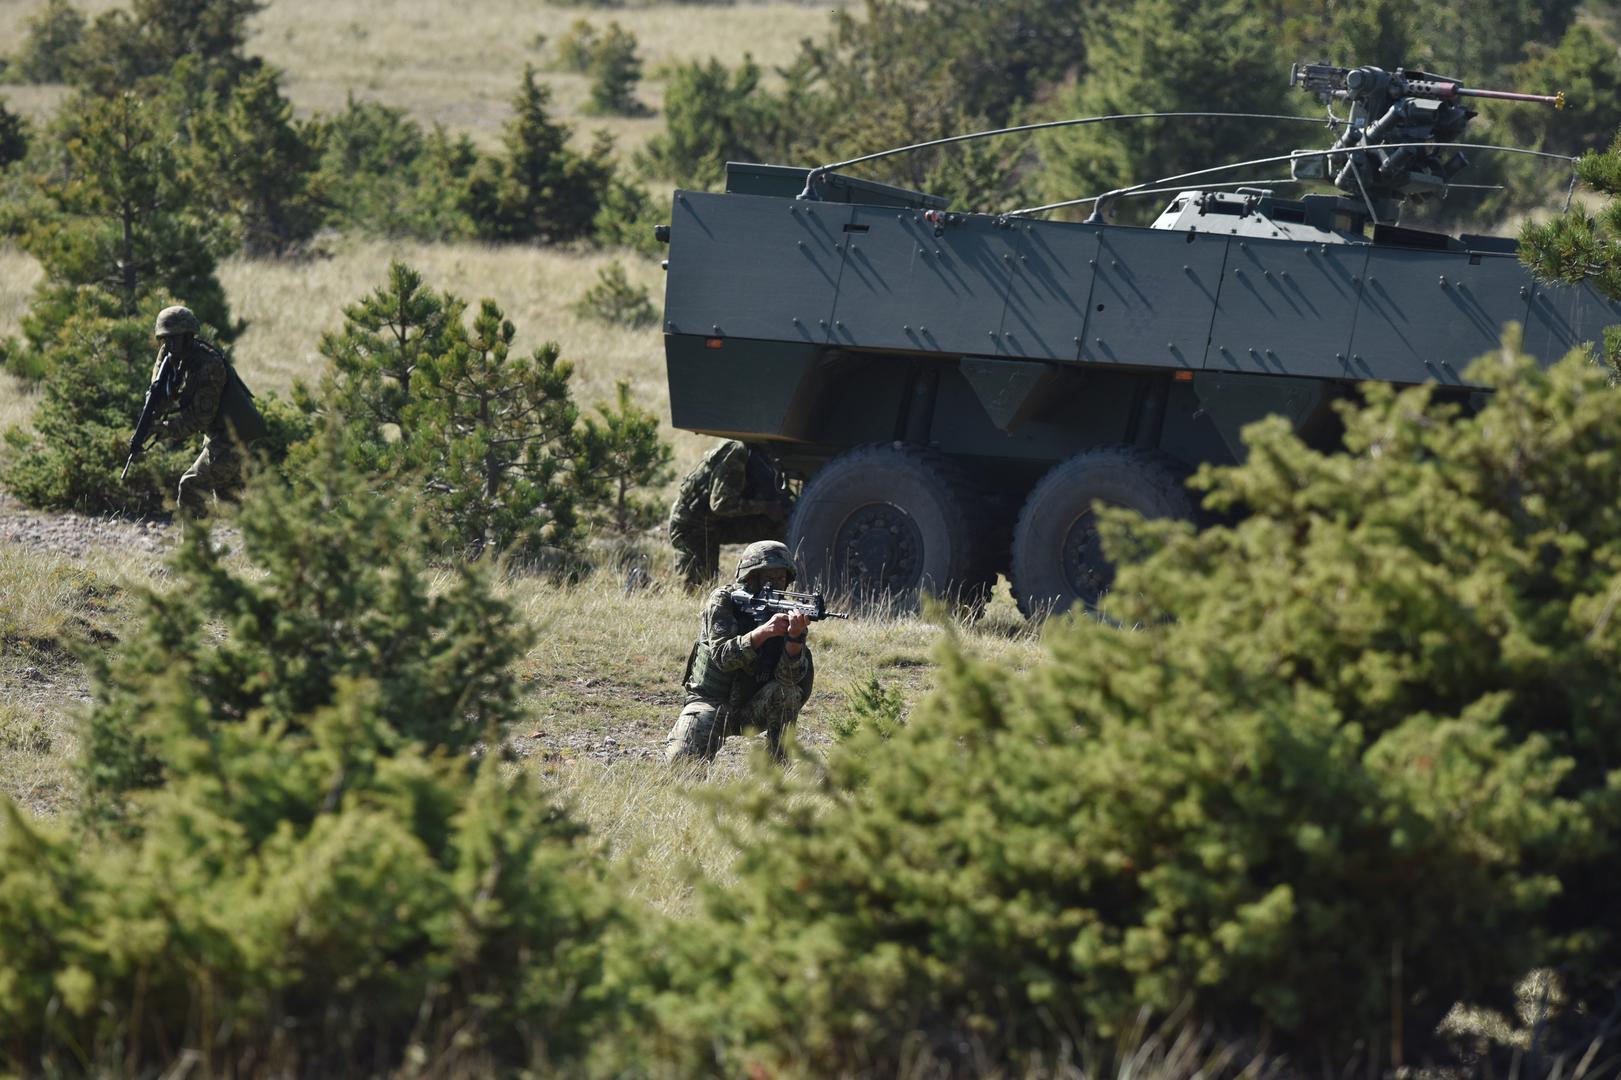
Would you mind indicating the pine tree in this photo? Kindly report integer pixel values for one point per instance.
(626, 455)
(615, 69)
(712, 115)
(142, 47)
(127, 222)
(48, 54)
(494, 439)
(258, 166)
(540, 189)
(1171, 56)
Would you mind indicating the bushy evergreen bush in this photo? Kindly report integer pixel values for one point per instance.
(626, 458)
(95, 373)
(614, 300)
(539, 189)
(491, 440)
(258, 167)
(48, 51)
(308, 873)
(1365, 772)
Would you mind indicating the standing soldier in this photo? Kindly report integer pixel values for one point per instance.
(734, 496)
(211, 398)
(741, 677)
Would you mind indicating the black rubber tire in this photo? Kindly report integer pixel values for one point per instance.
(1050, 557)
(938, 545)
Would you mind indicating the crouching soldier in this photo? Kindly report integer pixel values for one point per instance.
(211, 398)
(741, 676)
(733, 496)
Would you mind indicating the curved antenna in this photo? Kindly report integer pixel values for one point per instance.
(1256, 184)
(1177, 178)
(1331, 122)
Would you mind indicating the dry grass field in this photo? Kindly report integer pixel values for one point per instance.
(458, 64)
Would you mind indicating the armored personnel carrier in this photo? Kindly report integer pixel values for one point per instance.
(958, 391)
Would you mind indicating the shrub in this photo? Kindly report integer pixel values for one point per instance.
(626, 456)
(48, 52)
(615, 69)
(260, 166)
(13, 137)
(491, 439)
(873, 707)
(712, 115)
(627, 217)
(614, 300)
(576, 48)
(98, 366)
(1374, 739)
(540, 189)
(317, 879)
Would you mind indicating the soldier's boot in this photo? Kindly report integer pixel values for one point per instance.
(696, 735)
(773, 709)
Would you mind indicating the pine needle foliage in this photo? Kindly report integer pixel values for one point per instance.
(1365, 771)
(337, 595)
(289, 861)
(627, 458)
(1581, 246)
(258, 166)
(539, 189)
(614, 300)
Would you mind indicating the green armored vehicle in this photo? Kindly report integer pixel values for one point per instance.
(958, 390)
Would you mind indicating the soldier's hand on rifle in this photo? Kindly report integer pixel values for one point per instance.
(798, 627)
(776, 626)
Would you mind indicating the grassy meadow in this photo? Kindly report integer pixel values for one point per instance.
(459, 64)
(603, 680)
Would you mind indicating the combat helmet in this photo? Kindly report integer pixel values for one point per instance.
(765, 555)
(176, 320)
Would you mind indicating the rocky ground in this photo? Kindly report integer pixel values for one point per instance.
(77, 535)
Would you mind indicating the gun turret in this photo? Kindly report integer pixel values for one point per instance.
(1387, 109)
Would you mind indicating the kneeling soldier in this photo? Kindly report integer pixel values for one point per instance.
(209, 397)
(740, 676)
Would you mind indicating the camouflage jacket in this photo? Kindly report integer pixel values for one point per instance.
(210, 397)
(725, 669)
(203, 375)
(719, 486)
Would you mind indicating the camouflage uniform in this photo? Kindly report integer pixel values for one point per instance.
(730, 498)
(733, 687)
(210, 398)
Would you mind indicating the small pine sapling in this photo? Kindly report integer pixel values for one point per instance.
(614, 300)
(626, 455)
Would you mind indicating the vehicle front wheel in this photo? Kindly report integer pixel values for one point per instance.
(1058, 558)
(889, 523)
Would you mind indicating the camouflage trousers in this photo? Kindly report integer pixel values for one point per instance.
(697, 542)
(217, 471)
(704, 725)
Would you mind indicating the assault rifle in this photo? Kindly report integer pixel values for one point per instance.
(760, 606)
(159, 396)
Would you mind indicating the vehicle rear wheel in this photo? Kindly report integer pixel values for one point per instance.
(1058, 558)
(890, 523)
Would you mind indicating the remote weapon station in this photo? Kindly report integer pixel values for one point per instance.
(957, 391)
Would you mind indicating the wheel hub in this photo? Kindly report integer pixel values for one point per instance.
(1087, 572)
(879, 549)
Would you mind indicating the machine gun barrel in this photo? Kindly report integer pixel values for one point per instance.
(1346, 83)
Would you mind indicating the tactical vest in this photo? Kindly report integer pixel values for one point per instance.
(237, 411)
